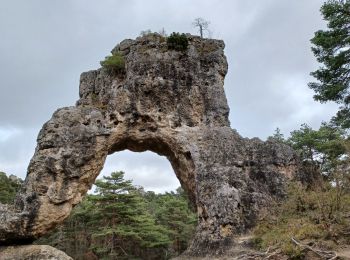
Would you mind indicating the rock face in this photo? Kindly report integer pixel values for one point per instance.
(169, 102)
(32, 252)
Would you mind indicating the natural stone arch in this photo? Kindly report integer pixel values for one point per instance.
(169, 102)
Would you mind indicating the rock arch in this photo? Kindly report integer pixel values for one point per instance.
(169, 102)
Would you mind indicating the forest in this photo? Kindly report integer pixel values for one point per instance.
(120, 221)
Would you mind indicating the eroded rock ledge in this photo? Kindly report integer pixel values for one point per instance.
(34, 252)
(169, 102)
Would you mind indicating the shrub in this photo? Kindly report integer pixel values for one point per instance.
(177, 41)
(146, 32)
(114, 62)
(308, 214)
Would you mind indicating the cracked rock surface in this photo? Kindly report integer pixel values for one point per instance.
(169, 102)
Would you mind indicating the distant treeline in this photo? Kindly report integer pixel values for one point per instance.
(9, 185)
(120, 221)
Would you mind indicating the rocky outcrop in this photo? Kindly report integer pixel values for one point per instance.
(33, 252)
(169, 102)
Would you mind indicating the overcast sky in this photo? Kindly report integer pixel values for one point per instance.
(45, 45)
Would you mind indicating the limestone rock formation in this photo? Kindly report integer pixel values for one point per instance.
(169, 102)
(33, 252)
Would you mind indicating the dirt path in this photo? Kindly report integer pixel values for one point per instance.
(243, 250)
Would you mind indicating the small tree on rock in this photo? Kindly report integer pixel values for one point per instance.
(202, 25)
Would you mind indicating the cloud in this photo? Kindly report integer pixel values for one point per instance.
(7, 133)
(45, 45)
(16, 148)
(147, 169)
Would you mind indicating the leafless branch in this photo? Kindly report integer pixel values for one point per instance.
(330, 255)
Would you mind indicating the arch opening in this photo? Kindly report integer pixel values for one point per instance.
(180, 160)
(172, 203)
(146, 169)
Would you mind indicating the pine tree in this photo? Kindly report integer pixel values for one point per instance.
(174, 213)
(126, 229)
(332, 48)
(277, 136)
(8, 188)
(323, 147)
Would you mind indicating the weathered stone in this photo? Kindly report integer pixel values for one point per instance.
(169, 102)
(32, 252)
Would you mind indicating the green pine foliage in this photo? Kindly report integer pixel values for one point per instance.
(125, 222)
(172, 211)
(121, 221)
(277, 136)
(8, 188)
(332, 48)
(177, 41)
(323, 147)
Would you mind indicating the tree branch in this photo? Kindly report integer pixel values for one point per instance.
(330, 255)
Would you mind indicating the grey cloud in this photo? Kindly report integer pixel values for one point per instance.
(147, 169)
(45, 45)
(16, 149)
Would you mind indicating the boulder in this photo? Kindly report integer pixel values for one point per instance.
(32, 252)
